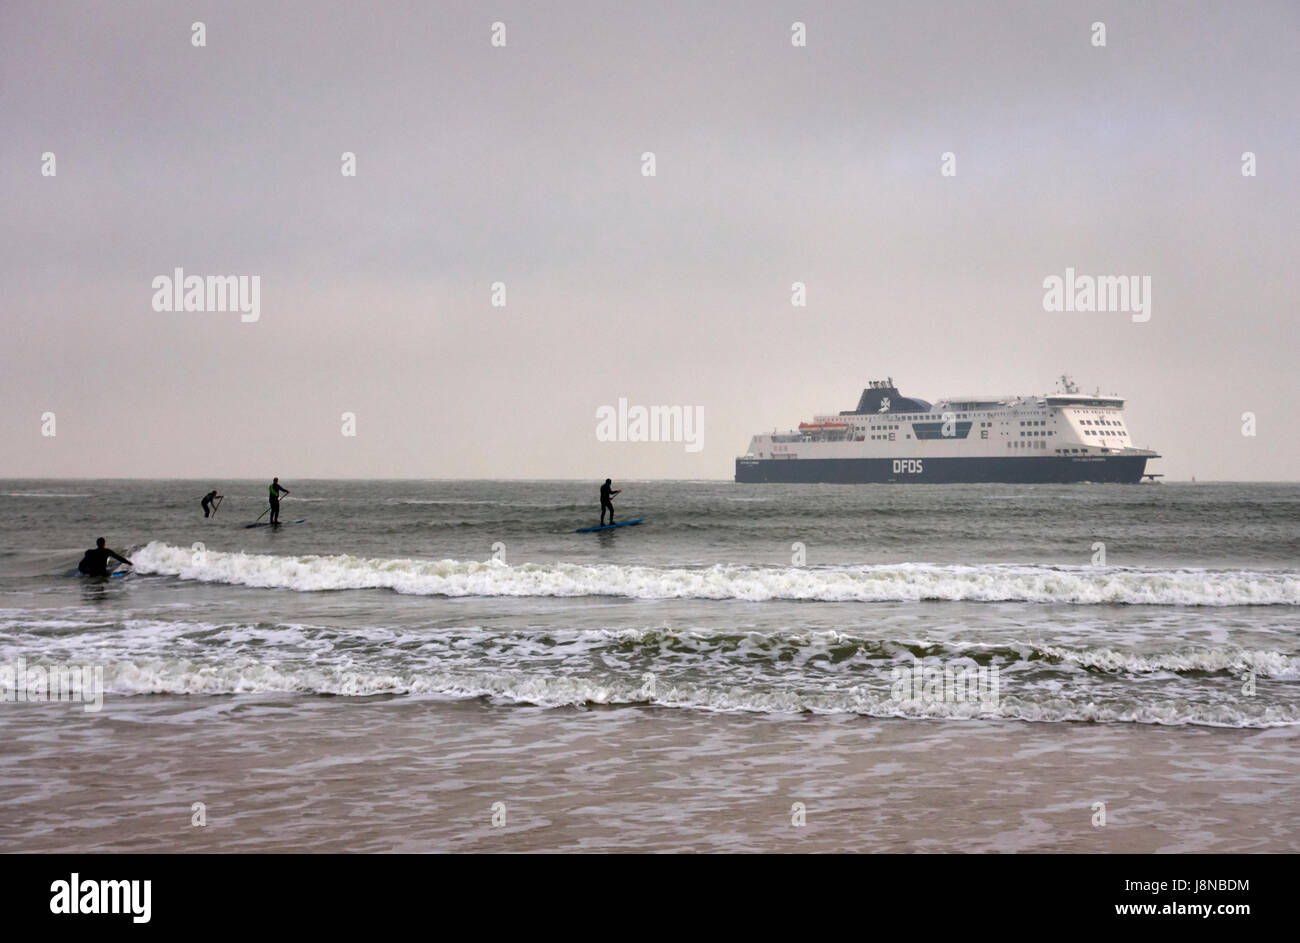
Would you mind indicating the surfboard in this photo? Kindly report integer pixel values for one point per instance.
(588, 530)
(281, 524)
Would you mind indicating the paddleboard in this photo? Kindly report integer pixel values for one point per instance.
(281, 524)
(588, 530)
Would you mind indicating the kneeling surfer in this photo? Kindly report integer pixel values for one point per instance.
(95, 562)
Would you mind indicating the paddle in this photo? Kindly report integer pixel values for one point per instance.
(268, 508)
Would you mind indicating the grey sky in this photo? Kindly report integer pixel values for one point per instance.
(522, 165)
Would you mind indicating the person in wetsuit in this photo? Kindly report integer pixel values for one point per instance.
(95, 562)
(607, 492)
(206, 503)
(276, 491)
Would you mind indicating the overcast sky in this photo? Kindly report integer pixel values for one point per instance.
(522, 164)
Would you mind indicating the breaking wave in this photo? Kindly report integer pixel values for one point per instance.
(876, 583)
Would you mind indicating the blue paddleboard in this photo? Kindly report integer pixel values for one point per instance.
(588, 530)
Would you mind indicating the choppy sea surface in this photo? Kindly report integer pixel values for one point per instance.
(990, 606)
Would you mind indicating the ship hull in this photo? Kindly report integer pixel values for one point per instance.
(1046, 469)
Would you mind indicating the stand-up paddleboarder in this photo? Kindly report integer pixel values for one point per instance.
(206, 503)
(276, 491)
(606, 492)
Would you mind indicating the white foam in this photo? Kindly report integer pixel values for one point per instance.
(890, 582)
(182, 677)
(1268, 664)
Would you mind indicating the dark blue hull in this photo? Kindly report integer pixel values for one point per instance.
(1046, 469)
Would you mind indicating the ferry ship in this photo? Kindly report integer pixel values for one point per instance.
(1066, 436)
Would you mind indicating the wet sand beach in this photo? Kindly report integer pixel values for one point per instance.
(410, 775)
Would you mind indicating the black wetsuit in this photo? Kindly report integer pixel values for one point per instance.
(207, 500)
(605, 503)
(95, 562)
(275, 502)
